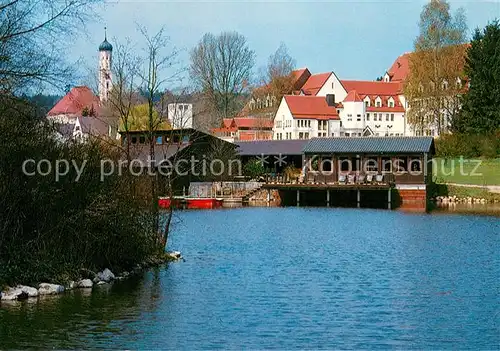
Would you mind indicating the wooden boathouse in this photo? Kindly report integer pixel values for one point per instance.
(390, 171)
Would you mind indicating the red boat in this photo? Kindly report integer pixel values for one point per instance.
(191, 203)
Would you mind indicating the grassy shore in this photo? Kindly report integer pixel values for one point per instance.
(467, 172)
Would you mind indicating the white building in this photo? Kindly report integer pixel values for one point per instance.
(305, 117)
(361, 108)
(180, 115)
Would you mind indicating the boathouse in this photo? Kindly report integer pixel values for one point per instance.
(363, 169)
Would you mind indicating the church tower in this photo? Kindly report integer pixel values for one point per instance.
(105, 80)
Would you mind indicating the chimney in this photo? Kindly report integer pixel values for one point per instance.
(330, 99)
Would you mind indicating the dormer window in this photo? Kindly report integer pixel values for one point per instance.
(378, 103)
(390, 102)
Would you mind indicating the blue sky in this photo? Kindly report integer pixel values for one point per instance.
(355, 39)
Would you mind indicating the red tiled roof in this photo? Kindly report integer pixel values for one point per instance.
(249, 122)
(228, 123)
(301, 77)
(75, 101)
(314, 107)
(224, 130)
(400, 68)
(315, 83)
(352, 97)
(235, 123)
(371, 87)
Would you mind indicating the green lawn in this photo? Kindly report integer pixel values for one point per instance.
(451, 171)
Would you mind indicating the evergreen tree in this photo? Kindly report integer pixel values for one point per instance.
(481, 105)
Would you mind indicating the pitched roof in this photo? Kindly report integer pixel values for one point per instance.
(93, 126)
(270, 147)
(315, 83)
(371, 87)
(301, 76)
(400, 68)
(252, 122)
(370, 145)
(353, 97)
(75, 101)
(314, 107)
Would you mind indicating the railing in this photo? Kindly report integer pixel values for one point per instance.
(343, 179)
(222, 189)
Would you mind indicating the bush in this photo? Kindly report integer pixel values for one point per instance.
(51, 229)
(468, 145)
(254, 169)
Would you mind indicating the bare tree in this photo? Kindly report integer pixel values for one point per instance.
(221, 68)
(124, 96)
(160, 57)
(31, 34)
(279, 73)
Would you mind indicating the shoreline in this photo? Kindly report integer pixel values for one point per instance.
(87, 280)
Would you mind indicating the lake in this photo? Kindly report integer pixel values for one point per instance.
(290, 278)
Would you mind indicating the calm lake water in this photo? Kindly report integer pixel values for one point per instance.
(291, 278)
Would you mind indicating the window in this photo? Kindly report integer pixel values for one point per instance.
(159, 140)
(333, 134)
(349, 117)
(392, 117)
(401, 164)
(347, 134)
(371, 164)
(391, 103)
(309, 123)
(306, 135)
(340, 124)
(142, 140)
(358, 117)
(367, 116)
(345, 164)
(378, 103)
(379, 116)
(301, 135)
(359, 134)
(322, 125)
(387, 117)
(415, 164)
(386, 164)
(367, 104)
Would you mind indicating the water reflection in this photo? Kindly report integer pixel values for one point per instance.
(290, 278)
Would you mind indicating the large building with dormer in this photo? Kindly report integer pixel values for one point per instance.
(327, 106)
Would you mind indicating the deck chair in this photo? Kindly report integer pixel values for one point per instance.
(342, 178)
(350, 178)
(361, 179)
(379, 178)
(369, 178)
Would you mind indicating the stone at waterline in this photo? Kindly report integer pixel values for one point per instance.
(50, 289)
(85, 283)
(106, 275)
(176, 255)
(101, 282)
(12, 294)
(30, 291)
